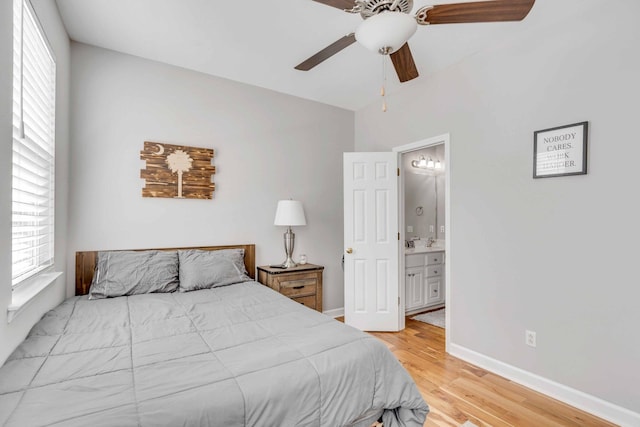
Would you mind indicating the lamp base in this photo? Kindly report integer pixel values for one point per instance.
(289, 263)
(289, 241)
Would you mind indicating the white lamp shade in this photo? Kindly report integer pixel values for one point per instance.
(386, 30)
(290, 213)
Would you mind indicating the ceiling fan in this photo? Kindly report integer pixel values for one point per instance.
(388, 25)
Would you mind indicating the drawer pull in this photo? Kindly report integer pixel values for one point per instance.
(298, 284)
(435, 271)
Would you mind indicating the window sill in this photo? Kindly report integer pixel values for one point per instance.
(25, 293)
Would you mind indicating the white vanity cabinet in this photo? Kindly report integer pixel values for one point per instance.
(424, 280)
(414, 288)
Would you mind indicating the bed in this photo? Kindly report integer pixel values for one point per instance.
(233, 355)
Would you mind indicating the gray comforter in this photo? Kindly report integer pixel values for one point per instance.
(239, 355)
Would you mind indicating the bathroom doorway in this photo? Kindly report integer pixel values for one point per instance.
(424, 226)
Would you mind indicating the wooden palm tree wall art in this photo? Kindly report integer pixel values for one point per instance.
(177, 171)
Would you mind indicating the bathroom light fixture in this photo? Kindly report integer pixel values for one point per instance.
(422, 163)
(430, 164)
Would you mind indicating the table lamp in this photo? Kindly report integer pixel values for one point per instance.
(289, 214)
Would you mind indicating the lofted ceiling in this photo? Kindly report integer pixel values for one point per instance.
(258, 42)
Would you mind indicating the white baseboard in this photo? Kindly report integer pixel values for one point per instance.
(586, 402)
(336, 312)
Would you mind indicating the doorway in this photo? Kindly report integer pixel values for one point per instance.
(409, 155)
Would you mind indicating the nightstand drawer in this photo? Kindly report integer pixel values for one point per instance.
(309, 301)
(302, 284)
(292, 288)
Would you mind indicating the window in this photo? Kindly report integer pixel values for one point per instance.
(33, 146)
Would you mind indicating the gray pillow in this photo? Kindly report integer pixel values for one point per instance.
(121, 273)
(208, 269)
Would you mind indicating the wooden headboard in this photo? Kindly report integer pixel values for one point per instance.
(86, 263)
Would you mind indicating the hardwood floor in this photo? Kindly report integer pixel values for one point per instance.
(457, 391)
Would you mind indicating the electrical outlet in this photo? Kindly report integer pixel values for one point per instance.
(409, 228)
(530, 338)
(442, 228)
(431, 228)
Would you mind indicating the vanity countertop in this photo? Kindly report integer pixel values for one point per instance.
(423, 250)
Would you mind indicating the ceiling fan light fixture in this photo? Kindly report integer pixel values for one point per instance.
(386, 32)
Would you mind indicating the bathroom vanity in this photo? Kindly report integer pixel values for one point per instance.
(424, 278)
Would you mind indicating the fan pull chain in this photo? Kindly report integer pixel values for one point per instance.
(384, 82)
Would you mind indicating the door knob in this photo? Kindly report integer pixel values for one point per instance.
(349, 250)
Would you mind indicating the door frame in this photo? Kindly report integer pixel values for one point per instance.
(407, 148)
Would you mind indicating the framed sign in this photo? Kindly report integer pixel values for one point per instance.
(560, 151)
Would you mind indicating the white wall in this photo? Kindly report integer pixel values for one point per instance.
(268, 146)
(11, 334)
(559, 255)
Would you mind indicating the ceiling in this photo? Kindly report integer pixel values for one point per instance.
(258, 42)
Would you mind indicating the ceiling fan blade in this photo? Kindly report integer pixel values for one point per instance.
(482, 11)
(403, 62)
(340, 4)
(327, 52)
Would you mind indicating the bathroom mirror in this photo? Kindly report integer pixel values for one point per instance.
(424, 188)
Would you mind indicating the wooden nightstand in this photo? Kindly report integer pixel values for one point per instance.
(302, 283)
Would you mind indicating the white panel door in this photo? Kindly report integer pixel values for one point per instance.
(371, 292)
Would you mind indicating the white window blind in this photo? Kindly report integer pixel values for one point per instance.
(33, 146)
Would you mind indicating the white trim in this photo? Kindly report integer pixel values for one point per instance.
(26, 292)
(446, 140)
(413, 146)
(336, 312)
(578, 399)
